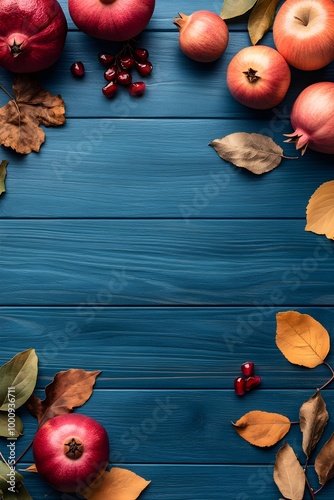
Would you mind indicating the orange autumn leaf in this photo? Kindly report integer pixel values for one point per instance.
(262, 428)
(69, 389)
(320, 211)
(31, 468)
(301, 339)
(118, 484)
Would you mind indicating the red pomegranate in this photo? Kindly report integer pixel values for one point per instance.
(115, 20)
(32, 34)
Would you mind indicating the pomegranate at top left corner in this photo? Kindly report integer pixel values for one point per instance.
(32, 34)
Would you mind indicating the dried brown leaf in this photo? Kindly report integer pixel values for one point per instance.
(3, 173)
(118, 484)
(235, 8)
(324, 462)
(255, 152)
(261, 428)
(301, 339)
(313, 418)
(261, 19)
(289, 475)
(320, 211)
(69, 389)
(20, 118)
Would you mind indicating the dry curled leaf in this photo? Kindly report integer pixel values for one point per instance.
(313, 418)
(118, 484)
(262, 428)
(235, 8)
(324, 462)
(20, 118)
(289, 475)
(320, 211)
(255, 152)
(3, 172)
(261, 19)
(301, 339)
(69, 389)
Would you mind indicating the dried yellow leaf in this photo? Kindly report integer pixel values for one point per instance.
(289, 475)
(301, 339)
(320, 211)
(261, 428)
(118, 484)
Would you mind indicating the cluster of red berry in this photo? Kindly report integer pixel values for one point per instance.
(248, 380)
(118, 70)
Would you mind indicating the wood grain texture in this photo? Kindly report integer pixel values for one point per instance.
(196, 482)
(156, 168)
(160, 347)
(187, 426)
(147, 262)
(128, 246)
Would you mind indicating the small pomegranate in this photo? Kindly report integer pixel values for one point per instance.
(32, 34)
(71, 452)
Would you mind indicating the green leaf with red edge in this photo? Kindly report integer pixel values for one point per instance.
(69, 389)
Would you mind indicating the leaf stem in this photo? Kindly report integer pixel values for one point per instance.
(310, 488)
(290, 157)
(332, 377)
(3, 458)
(317, 491)
(24, 452)
(12, 99)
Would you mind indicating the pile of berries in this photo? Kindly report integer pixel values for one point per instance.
(248, 380)
(119, 67)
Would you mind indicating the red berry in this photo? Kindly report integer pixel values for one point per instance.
(111, 73)
(247, 368)
(141, 54)
(110, 89)
(124, 78)
(106, 59)
(239, 386)
(78, 69)
(126, 62)
(252, 382)
(137, 88)
(144, 68)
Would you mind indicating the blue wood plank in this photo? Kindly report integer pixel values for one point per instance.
(208, 262)
(187, 426)
(156, 168)
(159, 348)
(196, 482)
(190, 89)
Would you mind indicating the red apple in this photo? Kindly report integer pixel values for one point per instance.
(115, 20)
(303, 33)
(71, 451)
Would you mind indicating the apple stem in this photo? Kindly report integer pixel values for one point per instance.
(303, 21)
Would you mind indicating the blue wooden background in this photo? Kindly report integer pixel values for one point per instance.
(127, 245)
